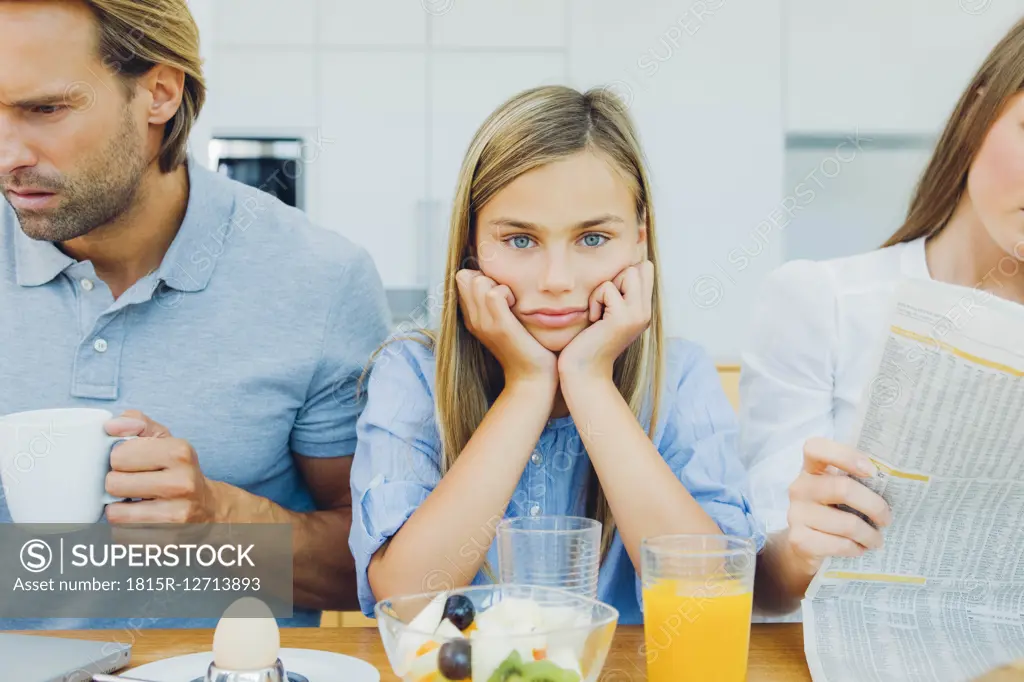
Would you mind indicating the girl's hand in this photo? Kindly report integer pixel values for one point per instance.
(817, 529)
(487, 311)
(620, 311)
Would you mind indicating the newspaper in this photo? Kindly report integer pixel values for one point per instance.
(943, 420)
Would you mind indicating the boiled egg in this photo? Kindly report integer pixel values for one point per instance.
(247, 637)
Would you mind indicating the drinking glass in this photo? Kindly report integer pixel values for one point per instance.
(551, 551)
(698, 595)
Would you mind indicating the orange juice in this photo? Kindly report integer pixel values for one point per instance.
(697, 630)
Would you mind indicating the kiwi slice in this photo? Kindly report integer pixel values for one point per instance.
(510, 670)
(513, 669)
(546, 671)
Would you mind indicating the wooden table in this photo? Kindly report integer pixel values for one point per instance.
(776, 650)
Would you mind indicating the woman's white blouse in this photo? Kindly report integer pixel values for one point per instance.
(808, 357)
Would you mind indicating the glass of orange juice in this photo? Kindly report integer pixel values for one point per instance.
(698, 594)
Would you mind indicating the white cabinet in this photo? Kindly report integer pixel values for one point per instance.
(464, 92)
(263, 90)
(372, 23)
(394, 89)
(497, 23)
(704, 83)
(883, 66)
(265, 22)
(856, 205)
(372, 170)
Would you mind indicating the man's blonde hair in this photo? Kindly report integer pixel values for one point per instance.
(134, 36)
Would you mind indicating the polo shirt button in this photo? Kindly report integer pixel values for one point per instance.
(535, 510)
(87, 284)
(100, 346)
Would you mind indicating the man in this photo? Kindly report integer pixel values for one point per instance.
(225, 330)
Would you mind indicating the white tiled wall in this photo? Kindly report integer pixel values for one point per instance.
(400, 86)
(884, 65)
(373, 174)
(492, 79)
(265, 22)
(257, 88)
(500, 23)
(378, 23)
(397, 86)
(706, 88)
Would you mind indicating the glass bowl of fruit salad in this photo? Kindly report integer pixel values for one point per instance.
(496, 633)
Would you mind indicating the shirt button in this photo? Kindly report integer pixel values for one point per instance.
(100, 346)
(535, 510)
(87, 284)
(536, 458)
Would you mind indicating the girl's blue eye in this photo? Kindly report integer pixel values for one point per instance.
(594, 239)
(521, 242)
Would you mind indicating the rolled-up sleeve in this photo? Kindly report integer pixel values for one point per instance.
(397, 458)
(699, 445)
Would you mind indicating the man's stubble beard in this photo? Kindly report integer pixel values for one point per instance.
(105, 189)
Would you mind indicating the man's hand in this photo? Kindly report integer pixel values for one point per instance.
(161, 471)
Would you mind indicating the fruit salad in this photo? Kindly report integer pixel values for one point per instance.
(514, 640)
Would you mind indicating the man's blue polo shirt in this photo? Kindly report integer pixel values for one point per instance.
(248, 341)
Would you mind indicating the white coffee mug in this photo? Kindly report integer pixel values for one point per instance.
(54, 464)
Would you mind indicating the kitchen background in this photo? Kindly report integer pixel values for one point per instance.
(775, 129)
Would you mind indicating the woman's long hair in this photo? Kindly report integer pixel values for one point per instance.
(944, 180)
(532, 129)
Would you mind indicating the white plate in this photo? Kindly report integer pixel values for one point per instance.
(318, 666)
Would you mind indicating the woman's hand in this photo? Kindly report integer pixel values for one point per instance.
(620, 311)
(487, 311)
(817, 529)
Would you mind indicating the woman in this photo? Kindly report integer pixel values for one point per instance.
(805, 371)
(537, 393)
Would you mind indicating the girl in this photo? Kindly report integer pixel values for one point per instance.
(806, 367)
(533, 396)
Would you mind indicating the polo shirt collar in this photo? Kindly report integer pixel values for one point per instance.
(209, 220)
(36, 263)
(188, 263)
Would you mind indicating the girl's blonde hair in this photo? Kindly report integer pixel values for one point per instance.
(944, 179)
(136, 35)
(532, 129)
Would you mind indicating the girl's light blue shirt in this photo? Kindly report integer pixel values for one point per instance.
(397, 457)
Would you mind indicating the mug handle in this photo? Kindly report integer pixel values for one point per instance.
(107, 497)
